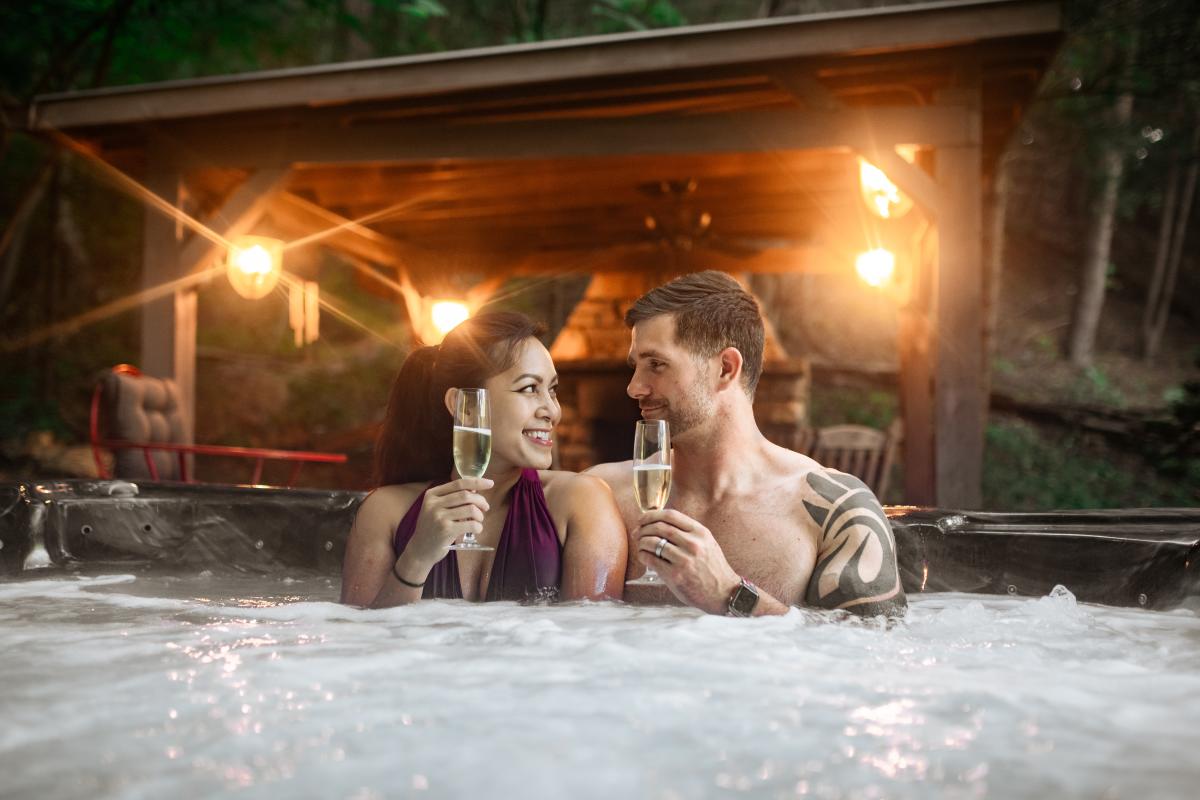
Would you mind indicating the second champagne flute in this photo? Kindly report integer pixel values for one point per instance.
(472, 446)
(651, 477)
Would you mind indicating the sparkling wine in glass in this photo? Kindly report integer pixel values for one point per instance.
(651, 477)
(472, 445)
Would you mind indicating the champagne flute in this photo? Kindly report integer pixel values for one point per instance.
(651, 477)
(472, 446)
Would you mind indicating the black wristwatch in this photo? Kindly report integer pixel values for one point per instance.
(743, 600)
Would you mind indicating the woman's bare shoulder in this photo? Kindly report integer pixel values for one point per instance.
(389, 502)
(571, 487)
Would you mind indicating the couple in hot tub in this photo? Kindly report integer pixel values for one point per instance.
(751, 528)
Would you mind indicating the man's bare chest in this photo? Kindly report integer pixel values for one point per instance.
(763, 541)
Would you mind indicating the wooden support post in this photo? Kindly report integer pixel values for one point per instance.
(960, 373)
(917, 340)
(169, 323)
(943, 368)
(916, 403)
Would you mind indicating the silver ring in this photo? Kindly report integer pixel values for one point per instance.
(662, 542)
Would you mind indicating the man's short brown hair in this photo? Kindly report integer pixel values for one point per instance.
(712, 311)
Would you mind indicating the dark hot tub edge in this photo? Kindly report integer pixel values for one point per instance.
(1122, 557)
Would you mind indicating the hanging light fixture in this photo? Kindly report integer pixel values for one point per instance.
(882, 196)
(876, 266)
(446, 314)
(254, 265)
(304, 311)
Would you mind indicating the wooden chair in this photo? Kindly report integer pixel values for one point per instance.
(140, 419)
(867, 453)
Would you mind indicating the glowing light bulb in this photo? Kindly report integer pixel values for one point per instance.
(882, 196)
(876, 266)
(446, 314)
(254, 265)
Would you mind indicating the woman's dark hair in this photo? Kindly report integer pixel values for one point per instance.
(414, 444)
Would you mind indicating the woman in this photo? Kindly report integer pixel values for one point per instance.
(555, 534)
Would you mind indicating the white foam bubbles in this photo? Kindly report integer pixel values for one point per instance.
(264, 686)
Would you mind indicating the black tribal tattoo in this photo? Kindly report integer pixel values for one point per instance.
(856, 564)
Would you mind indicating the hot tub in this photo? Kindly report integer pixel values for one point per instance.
(186, 640)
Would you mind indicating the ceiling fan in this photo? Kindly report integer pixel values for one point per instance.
(680, 226)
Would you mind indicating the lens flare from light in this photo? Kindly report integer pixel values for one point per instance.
(254, 266)
(882, 196)
(448, 313)
(876, 266)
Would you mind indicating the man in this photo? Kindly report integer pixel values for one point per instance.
(752, 528)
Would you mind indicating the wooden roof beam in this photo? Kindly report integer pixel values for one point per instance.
(710, 47)
(718, 133)
(236, 216)
(305, 219)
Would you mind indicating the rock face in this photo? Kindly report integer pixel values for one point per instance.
(55, 458)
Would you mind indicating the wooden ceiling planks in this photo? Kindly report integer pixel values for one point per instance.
(568, 203)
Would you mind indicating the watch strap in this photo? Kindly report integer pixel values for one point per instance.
(743, 600)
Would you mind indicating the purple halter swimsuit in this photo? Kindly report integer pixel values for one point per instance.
(528, 563)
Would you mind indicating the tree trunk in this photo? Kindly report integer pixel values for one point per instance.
(994, 262)
(12, 240)
(1090, 301)
(1161, 254)
(1162, 312)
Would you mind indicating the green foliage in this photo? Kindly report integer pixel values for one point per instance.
(1174, 395)
(636, 15)
(1027, 468)
(20, 411)
(1144, 48)
(72, 44)
(1003, 366)
(341, 396)
(838, 405)
(1095, 387)
(1045, 344)
(422, 9)
(1173, 443)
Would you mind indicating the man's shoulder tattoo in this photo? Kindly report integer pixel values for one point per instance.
(856, 558)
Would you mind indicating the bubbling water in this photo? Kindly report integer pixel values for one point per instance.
(207, 685)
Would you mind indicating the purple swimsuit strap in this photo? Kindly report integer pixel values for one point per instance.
(528, 561)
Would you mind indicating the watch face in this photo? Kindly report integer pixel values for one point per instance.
(744, 599)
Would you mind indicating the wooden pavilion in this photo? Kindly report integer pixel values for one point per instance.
(590, 154)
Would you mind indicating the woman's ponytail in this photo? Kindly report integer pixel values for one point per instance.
(414, 443)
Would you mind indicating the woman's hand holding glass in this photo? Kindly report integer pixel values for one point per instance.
(449, 512)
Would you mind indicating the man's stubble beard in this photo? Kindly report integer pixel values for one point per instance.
(695, 409)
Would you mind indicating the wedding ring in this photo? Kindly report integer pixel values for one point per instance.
(662, 542)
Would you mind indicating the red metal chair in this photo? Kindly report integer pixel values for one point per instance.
(133, 412)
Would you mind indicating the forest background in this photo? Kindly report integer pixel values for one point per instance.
(1096, 359)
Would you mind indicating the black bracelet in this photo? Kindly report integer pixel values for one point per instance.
(407, 583)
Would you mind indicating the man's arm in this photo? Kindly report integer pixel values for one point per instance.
(692, 564)
(856, 561)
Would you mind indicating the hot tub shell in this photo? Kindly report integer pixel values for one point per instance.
(1122, 557)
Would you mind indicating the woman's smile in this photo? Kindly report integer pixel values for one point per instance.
(539, 436)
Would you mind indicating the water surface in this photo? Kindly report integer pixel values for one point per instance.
(155, 686)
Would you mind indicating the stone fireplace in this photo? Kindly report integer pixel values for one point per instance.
(590, 354)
